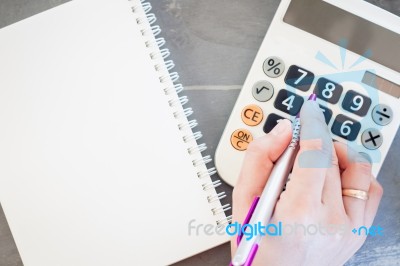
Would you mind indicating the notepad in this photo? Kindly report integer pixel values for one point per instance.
(99, 164)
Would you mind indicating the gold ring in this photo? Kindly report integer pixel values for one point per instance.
(355, 193)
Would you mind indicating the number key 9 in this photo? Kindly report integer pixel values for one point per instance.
(356, 103)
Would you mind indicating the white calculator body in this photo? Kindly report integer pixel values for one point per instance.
(347, 52)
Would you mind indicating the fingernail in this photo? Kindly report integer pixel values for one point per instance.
(281, 127)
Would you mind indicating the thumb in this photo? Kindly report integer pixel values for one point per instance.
(257, 166)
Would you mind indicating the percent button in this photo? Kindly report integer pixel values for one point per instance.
(273, 67)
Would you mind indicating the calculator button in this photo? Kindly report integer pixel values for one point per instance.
(345, 127)
(382, 114)
(252, 115)
(288, 102)
(356, 103)
(299, 78)
(366, 156)
(263, 91)
(327, 113)
(272, 121)
(241, 139)
(371, 139)
(273, 67)
(328, 90)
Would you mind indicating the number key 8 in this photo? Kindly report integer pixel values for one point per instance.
(328, 90)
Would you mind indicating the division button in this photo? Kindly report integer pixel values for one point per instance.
(263, 91)
(273, 67)
(382, 114)
(372, 139)
(252, 115)
(241, 139)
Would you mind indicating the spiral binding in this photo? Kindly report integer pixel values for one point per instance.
(162, 66)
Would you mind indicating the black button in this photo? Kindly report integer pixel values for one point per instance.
(299, 78)
(271, 122)
(288, 102)
(356, 103)
(346, 128)
(327, 113)
(328, 90)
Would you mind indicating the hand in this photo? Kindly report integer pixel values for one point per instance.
(313, 196)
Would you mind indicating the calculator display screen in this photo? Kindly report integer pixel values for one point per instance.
(381, 84)
(335, 24)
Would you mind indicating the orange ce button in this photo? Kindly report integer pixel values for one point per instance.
(252, 115)
(240, 139)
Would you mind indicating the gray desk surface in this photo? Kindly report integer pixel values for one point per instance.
(213, 44)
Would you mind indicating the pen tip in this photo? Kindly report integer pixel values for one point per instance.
(312, 97)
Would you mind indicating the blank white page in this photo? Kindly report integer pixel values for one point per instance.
(93, 168)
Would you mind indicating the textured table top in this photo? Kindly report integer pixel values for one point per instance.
(213, 44)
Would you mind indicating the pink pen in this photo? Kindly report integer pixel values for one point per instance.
(262, 208)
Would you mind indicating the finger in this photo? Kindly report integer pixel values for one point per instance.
(257, 165)
(375, 195)
(315, 154)
(332, 190)
(356, 175)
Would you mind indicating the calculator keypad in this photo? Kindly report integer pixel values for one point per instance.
(299, 78)
(288, 102)
(356, 103)
(271, 122)
(328, 90)
(346, 127)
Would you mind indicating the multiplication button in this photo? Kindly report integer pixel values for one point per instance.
(263, 91)
(240, 139)
(382, 114)
(273, 67)
(372, 139)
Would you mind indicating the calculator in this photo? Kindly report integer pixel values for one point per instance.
(347, 53)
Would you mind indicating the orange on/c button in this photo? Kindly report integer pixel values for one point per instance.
(252, 115)
(240, 139)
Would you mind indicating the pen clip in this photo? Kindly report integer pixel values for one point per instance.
(248, 217)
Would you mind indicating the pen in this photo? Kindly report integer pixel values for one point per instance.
(262, 208)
